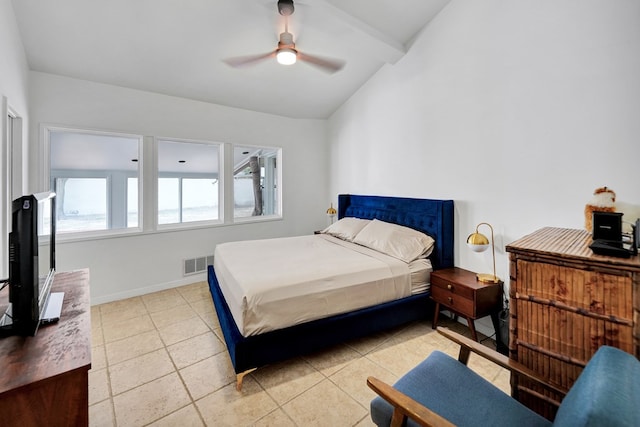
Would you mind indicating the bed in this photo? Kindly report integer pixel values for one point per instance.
(249, 351)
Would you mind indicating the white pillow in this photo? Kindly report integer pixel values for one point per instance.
(395, 240)
(346, 228)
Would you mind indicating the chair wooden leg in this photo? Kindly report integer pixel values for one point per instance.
(398, 419)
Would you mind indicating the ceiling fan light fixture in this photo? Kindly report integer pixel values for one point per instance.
(286, 56)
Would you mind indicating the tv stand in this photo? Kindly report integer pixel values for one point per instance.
(44, 380)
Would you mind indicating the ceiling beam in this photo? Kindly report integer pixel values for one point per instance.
(379, 44)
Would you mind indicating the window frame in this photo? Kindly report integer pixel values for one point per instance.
(48, 183)
(157, 175)
(278, 190)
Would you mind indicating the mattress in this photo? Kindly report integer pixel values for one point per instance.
(274, 283)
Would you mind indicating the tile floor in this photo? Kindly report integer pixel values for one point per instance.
(159, 360)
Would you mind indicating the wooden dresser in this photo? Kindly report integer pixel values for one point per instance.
(566, 302)
(44, 379)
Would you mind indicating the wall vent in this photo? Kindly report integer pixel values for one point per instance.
(196, 265)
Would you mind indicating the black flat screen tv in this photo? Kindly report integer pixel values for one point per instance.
(32, 262)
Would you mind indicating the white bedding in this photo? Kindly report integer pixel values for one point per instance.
(274, 283)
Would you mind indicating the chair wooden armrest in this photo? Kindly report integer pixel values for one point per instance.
(404, 406)
(468, 345)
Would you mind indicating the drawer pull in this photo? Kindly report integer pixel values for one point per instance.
(449, 286)
(450, 300)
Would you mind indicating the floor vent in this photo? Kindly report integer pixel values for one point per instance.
(196, 265)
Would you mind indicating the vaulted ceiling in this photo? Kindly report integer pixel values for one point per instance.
(178, 47)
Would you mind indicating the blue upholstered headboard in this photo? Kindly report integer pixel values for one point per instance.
(432, 217)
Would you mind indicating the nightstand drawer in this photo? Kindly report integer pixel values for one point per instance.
(452, 287)
(452, 300)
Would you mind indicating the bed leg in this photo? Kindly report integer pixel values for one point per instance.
(240, 377)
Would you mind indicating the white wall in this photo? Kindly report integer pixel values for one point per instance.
(126, 266)
(14, 76)
(516, 110)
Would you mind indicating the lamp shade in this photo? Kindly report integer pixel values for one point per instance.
(478, 242)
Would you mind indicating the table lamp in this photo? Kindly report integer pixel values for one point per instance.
(478, 242)
(331, 213)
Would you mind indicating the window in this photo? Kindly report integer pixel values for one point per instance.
(99, 182)
(95, 177)
(83, 204)
(188, 174)
(132, 202)
(255, 182)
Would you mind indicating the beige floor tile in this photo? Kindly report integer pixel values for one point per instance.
(118, 311)
(130, 304)
(150, 402)
(210, 318)
(195, 292)
(218, 333)
(486, 369)
(195, 349)
(325, 404)
(208, 375)
(98, 385)
(97, 337)
(204, 307)
(366, 422)
(401, 357)
(503, 381)
(367, 344)
(132, 347)
(353, 379)
(101, 414)
(286, 380)
(276, 418)
(185, 417)
(96, 317)
(182, 330)
(127, 328)
(229, 407)
(98, 357)
(333, 359)
(171, 315)
(163, 300)
(143, 369)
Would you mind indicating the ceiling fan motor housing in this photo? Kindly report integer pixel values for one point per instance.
(285, 7)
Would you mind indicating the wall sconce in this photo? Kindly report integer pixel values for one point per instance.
(331, 214)
(478, 242)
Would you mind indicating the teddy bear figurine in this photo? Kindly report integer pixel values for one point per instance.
(603, 200)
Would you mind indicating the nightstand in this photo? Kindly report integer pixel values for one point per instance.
(459, 291)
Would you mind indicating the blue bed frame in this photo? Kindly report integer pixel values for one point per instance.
(433, 217)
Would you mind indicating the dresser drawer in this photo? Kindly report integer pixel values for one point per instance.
(456, 302)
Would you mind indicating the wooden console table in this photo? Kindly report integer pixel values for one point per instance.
(566, 302)
(44, 380)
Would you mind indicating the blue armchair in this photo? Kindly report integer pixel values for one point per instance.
(442, 391)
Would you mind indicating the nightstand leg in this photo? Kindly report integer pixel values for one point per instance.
(435, 316)
(472, 328)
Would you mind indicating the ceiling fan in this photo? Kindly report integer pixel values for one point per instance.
(286, 52)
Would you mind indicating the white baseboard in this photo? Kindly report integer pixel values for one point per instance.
(201, 277)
